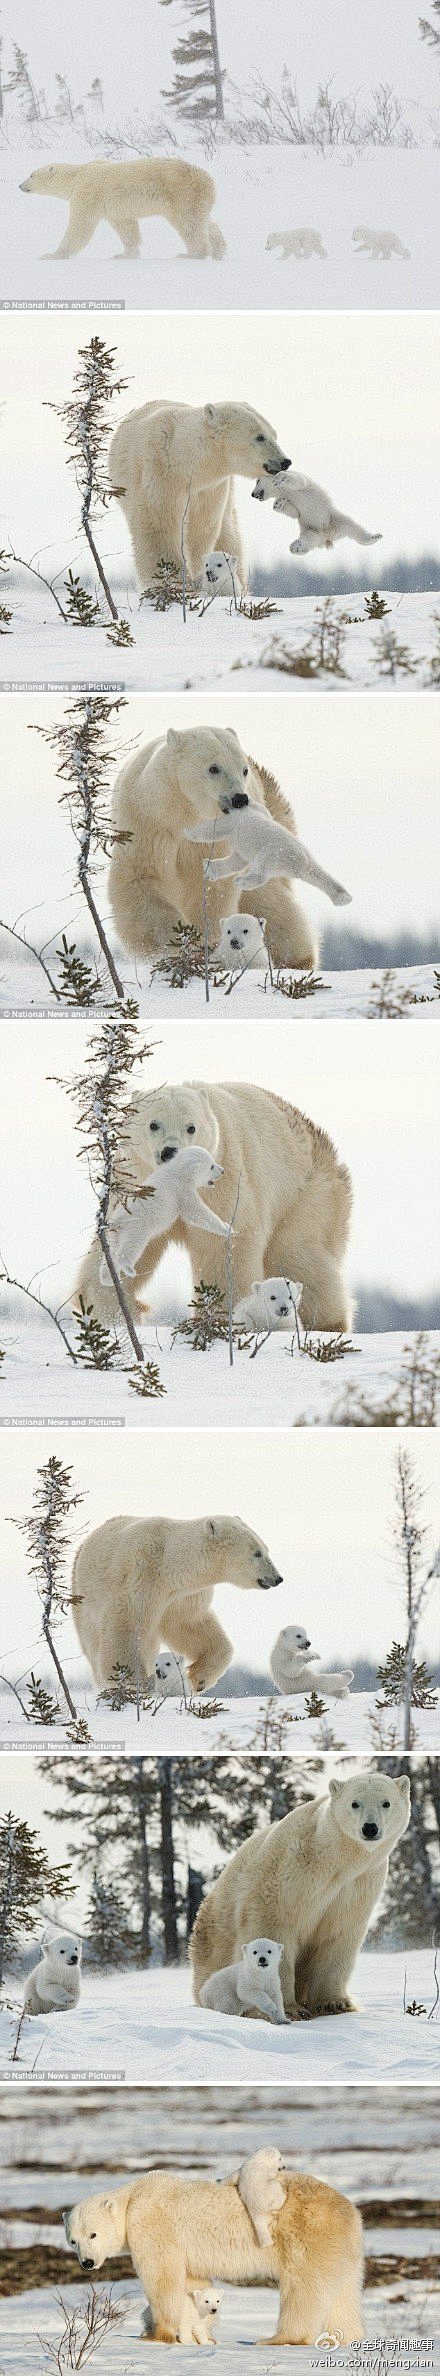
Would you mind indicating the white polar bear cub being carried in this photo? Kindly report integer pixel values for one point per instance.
(172, 468)
(251, 1985)
(320, 523)
(292, 1670)
(261, 2189)
(173, 1197)
(259, 849)
(296, 243)
(378, 243)
(54, 1984)
(121, 192)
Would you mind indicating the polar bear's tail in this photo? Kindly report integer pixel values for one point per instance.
(347, 527)
(216, 241)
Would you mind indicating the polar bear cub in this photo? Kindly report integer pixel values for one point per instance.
(170, 1675)
(54, 1984)
(242, 943)
(320, 523)
(219, 575)
(293, 1672)
(378, 243)
(260, 849)
(297, 243)
(200, 2311)
(270, 1304)
(261, 2190)
(174, 1196)
(250, 1986)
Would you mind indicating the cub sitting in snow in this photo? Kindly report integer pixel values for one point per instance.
(293, 1672)
(271, 1304)
(297, 243)
(242, 943)
(219, 575)
(250, 1986)
(200, 2311)
(54, 1984)
(259, 849)
(378, 243)
(320, 523)
(173, 1196)
(258, 2182)
(170, 1675)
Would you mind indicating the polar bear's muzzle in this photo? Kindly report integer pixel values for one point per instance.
(232, 800)
(166, 1153)
(271, 469)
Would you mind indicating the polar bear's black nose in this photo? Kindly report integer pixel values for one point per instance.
(263, 1961)
(283, 1311)
(370, 1831)
(73, 1959)
(240, 800)
(234, 944)
(167, 1153)
(87, 2264)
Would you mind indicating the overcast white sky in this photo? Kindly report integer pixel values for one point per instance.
(376, 1092)
(354, 400)
(356, 46)
(364, 781)
(324, 1504)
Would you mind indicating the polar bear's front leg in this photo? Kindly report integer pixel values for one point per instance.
(79, 231)
(191, 1630)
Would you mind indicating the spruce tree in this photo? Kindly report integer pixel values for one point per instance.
(392, 1679)
(197, 90)
(47, 1532)
(86, 754)
(25, 1877)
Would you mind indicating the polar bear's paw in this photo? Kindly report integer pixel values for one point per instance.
(334, 2005)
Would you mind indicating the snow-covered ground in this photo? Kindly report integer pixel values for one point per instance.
(171, 1728)
(43, 652)
(246, 2320)
(279, 1388)
(412, 992)
(259, 190)
(144, 2026)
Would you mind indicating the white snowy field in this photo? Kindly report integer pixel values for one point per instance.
(277, 1388)
(172, 1729)
(144, 2026)
(44, 652)
(412, 992)
(32, 2321)
(260, 190)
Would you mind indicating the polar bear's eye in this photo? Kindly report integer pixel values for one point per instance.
(213, 770)
(154, 1125)
(245, 771)
(385, 1802)
(355, 1803)
(92, 2237)
(260, 440)
(190, 1129)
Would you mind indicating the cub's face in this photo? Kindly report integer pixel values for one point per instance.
(168, 1120)
(96, 2229)
(210, 763)
(262, 1955)
(372, 1808)
(64, 1954)
(294, 1639)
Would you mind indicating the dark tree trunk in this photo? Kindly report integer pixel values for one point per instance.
(169, 1906)
(141, 1802)
(216, 68)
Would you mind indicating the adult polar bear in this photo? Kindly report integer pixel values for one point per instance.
(172, 468)
(107, 190)
(311, 1881)
(180, 2232)
(293, 1209)
(156, 875)
(138, 1582)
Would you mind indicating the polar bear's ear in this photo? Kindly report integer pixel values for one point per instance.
(403, 1784)
(108, 2202)
(214, 1528)
(209, 412)
(335, 1787)
(174, 740)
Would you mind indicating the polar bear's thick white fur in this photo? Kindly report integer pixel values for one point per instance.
(261, 2189)
(297, 243)
(172, 467)
(259, 849)
(156, 875)
(140, 1582)
(198, 2318)
(242, 943)
(320, 523)
(378, 243)
(292, 1671)
(219, 575)
(271, 1304)
(292, 1215)
(179, 2231)
(170, 1675)
(313, 1881)
(173, 1197)
(120, 193)
(251, 1985)
(54, 1984)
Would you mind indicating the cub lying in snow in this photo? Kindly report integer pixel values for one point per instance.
(320, 522)
(260, 2187)
(198, 2317)
(54, 1984)
(173, 1196)
(271, 1304)
(292, 1673)
(259, 849)
(251, 1986)
(297, 243)
(378, 243)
